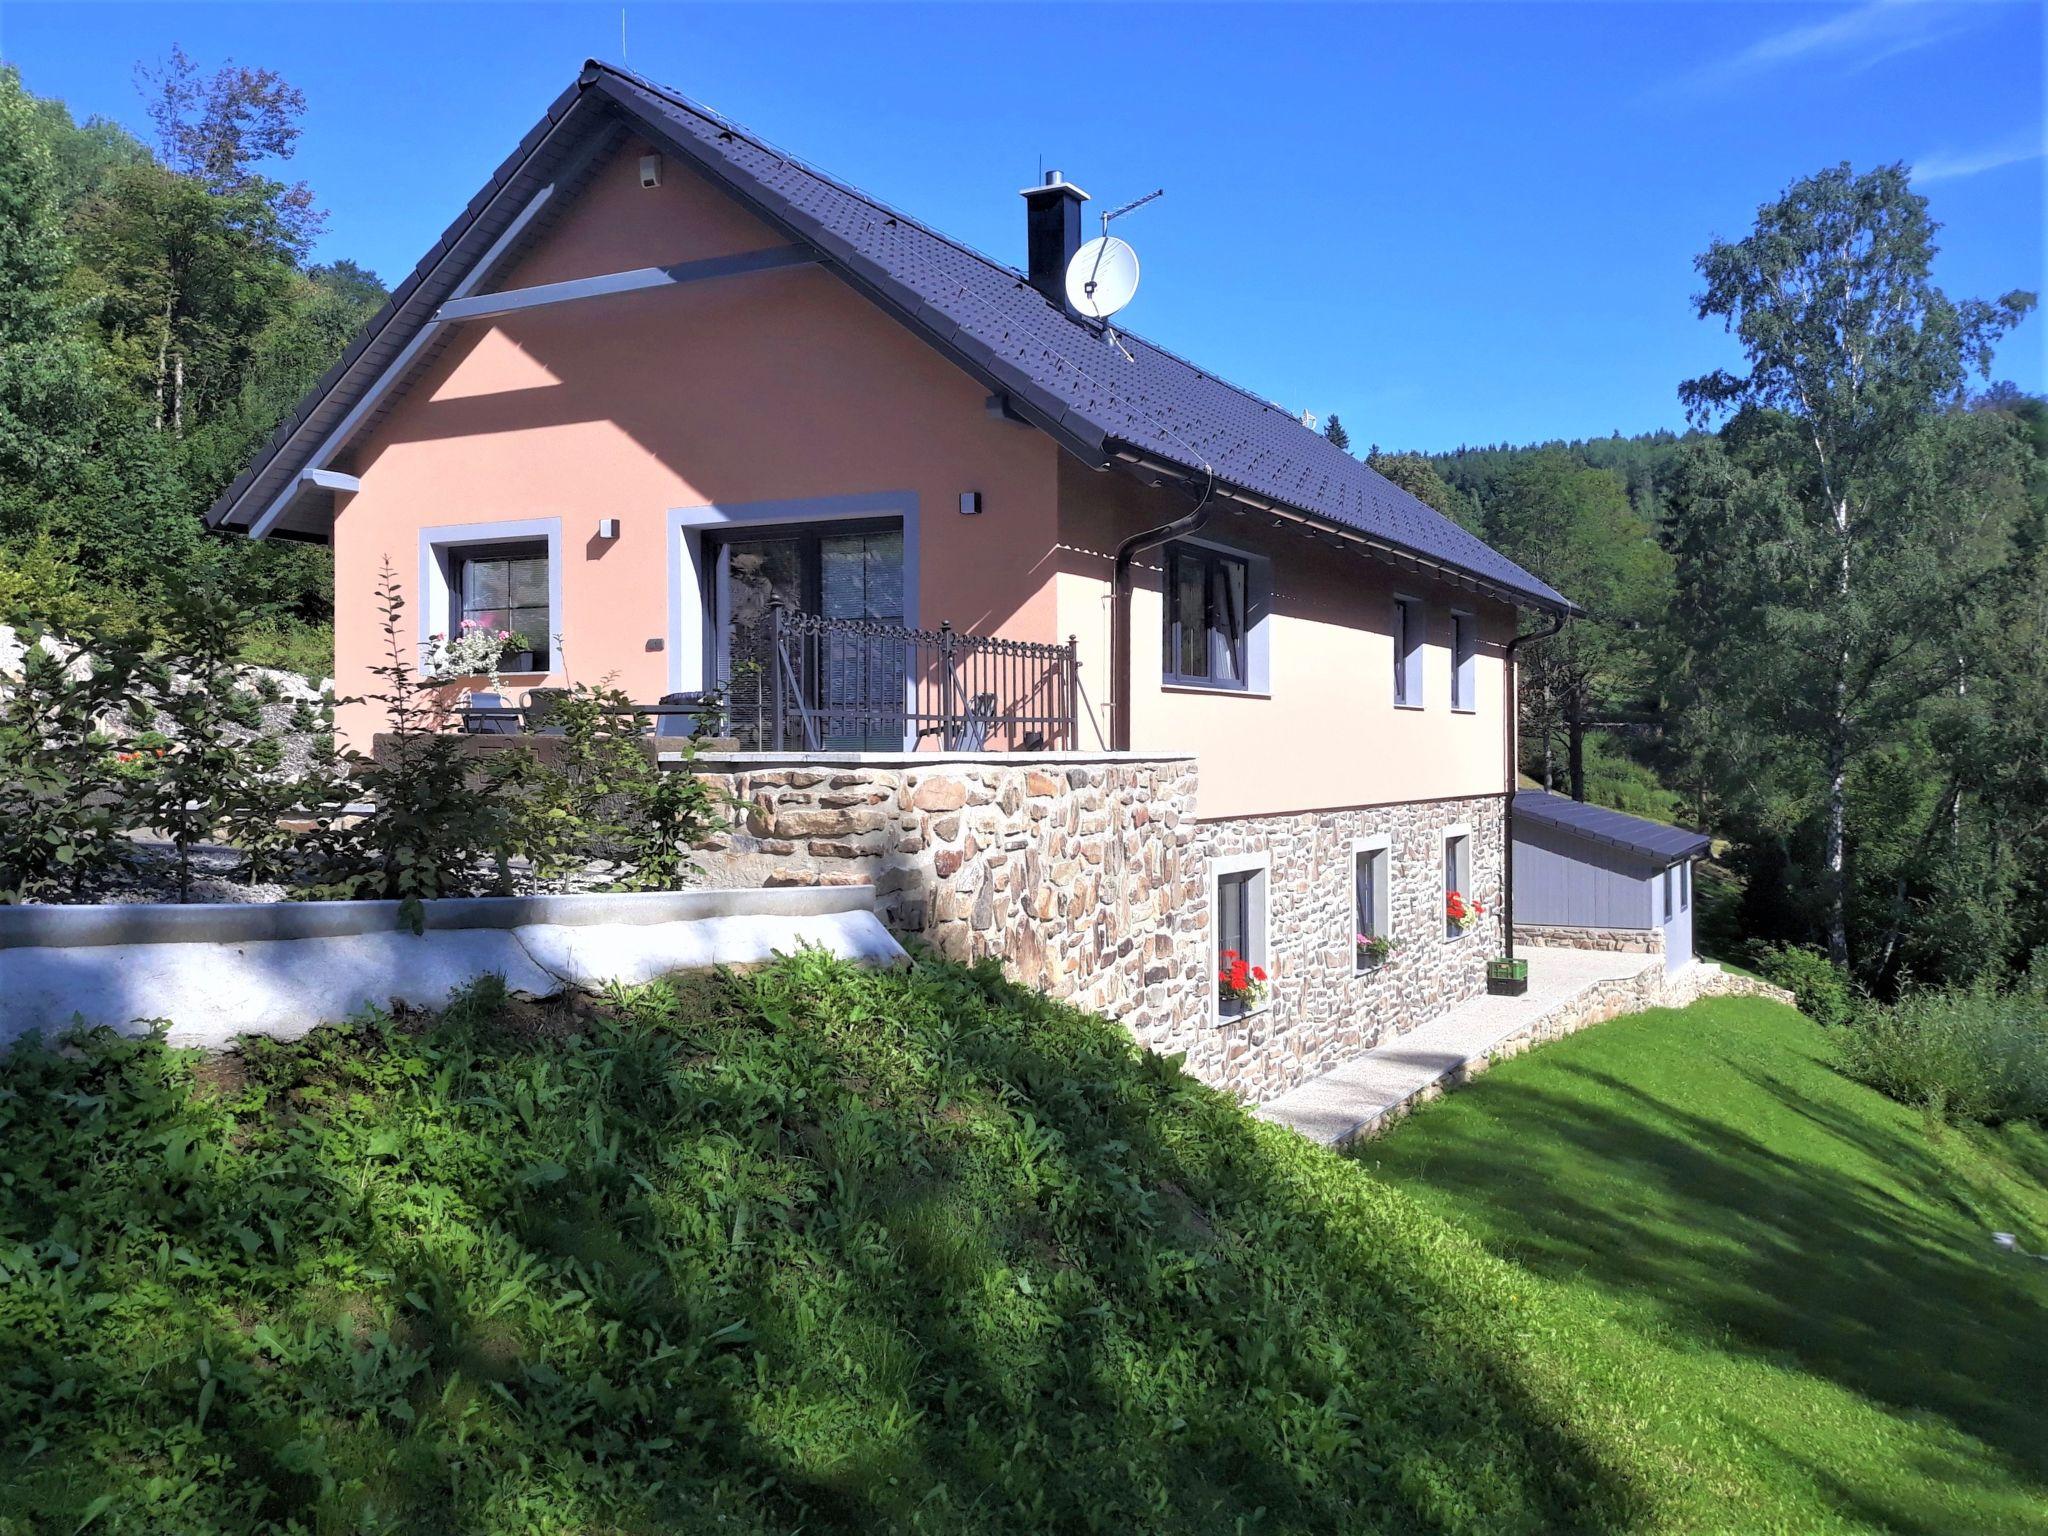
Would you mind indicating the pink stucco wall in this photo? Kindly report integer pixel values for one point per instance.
(775, 387)
(786, 386)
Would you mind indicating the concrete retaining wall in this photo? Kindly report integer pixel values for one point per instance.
(214, 972)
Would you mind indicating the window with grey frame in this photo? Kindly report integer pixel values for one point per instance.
(1410, 629)
(1372, 904)
(1240, 926)
(506, 587)
(1463, 651)
(1206, 615)
(1457, 877)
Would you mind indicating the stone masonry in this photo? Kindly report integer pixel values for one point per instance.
(1323, 1007)
(1082, 872)
(1088, 875)
(1621, 941)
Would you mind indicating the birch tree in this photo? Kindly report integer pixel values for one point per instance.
(1850, 347)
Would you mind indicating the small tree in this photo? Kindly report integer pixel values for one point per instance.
(440, 823)
(610, 801)
(211, 766)
(1335, 432)
(63, 800)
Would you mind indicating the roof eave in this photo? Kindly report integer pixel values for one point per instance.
(1388, 550)
(231, 509)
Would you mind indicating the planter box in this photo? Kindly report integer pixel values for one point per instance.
(1507, 978)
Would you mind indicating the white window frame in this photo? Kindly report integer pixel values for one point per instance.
(1443, 865)
(1464, 661)
(1382, 894)
(441, 550)
(1411, 644)
(1259, 864)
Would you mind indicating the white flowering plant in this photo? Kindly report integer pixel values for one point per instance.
(474, 650)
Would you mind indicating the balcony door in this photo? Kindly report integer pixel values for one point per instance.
(846, 689)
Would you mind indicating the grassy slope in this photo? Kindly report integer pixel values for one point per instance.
(1774, 1271)
(816, 1249)
(825, 1250)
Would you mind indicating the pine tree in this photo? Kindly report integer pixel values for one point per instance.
(1335, 432)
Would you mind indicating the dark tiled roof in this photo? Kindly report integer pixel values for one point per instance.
(1651, 839)
(1059, 371)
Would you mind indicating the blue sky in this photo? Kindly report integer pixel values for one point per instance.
(1447, 223)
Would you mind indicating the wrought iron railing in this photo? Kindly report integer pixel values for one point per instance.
(855, 684)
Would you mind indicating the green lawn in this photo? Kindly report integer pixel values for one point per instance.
(823, 1250)
(1764, 1268)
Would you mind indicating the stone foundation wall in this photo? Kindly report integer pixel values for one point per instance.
(1083, 873)
(1323, 1009)
(1089, 876)
(1626, 941)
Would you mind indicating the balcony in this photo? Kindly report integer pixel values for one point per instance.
(834, 685)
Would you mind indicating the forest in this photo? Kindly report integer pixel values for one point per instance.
(1816, 617)
(158, 317)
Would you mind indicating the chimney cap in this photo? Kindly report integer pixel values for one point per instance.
(1055, 182)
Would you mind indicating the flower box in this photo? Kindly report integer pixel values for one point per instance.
(1461, 914)
(1507, 978)
(1240, 985)
(1373, 950)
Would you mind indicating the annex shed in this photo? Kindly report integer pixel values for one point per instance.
(1590, 877)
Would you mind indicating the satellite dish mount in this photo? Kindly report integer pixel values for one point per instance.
(1103, 276)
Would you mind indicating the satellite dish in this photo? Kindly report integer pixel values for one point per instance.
(1102, 278)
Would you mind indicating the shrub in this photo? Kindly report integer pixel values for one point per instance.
(610, 801)
(1967, 1055)
(197, 690)
(63, 795)
(1822, 988)
(440, 823)
(290, 646)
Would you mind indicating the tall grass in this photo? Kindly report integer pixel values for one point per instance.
(1967, 1055)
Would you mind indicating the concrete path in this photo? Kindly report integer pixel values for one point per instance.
(1352, 1100)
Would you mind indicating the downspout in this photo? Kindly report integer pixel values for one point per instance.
(1120, 604)
(1514, 728)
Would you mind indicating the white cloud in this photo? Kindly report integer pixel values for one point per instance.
(1953, 165)
(1853, 39)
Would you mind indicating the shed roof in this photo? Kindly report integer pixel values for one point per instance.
(1634, 834)
(1060, 371)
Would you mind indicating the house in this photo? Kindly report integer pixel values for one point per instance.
(1590, 878)
(684, 412)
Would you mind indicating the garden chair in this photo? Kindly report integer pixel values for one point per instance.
(975, 725)
(487, 714)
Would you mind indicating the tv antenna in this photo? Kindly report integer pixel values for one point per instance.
(1103, 276)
